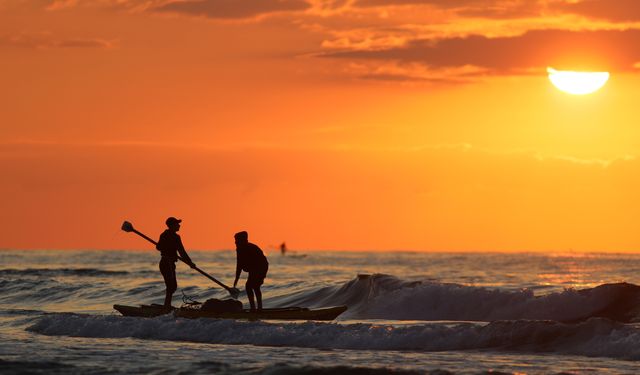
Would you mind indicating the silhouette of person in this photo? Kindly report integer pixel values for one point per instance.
(170, 244)
(251, 259)
(283, 248)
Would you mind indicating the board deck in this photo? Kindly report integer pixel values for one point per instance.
(287, 313)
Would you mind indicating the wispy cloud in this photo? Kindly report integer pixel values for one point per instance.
(617, 11)
(45, 40)
(613, 50)
(231, 9)
(414, 72)
(604, 163)
(473, 8)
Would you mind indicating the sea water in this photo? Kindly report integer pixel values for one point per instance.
(409, 313)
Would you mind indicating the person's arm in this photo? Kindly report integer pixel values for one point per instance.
(238, 270)
(183, 254)
(160, 243)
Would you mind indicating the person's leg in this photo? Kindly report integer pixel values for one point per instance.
(173, 286)
(249, 289)
(258, 297)
(168, 270)
(258, 282)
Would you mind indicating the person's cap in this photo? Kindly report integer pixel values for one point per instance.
(241, 235)
(173, 220)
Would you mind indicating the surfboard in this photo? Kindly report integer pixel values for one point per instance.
(285, 313)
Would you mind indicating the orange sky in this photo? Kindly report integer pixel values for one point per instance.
(329, 124)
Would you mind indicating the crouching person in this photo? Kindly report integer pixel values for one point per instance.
(251, 259)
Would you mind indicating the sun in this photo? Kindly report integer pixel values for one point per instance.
(577, 83)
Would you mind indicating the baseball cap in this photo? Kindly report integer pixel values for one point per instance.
(173, 220)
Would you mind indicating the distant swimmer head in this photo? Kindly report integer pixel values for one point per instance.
(173, 223)
(241, 237)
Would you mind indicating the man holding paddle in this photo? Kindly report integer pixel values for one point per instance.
(170, 244)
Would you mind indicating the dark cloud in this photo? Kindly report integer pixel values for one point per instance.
(46, 40)
(408, 78)
(470, 8)
(617, 10)
(438, 3)
(232, 9)
(517, 9)
(610, 50)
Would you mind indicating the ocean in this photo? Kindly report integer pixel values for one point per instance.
(409, 313)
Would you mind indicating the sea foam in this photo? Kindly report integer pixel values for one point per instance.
(595, 337)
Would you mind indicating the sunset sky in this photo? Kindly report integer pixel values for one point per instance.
(357, 124)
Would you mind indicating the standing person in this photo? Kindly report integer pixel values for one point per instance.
(170, 244)
(251, 259)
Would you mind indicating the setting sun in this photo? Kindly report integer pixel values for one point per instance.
(577, 83)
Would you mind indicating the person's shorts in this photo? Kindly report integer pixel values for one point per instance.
(256, 279)
(168, 270)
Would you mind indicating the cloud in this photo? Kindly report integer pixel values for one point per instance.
(46, 40)
(414, 72)
(232, 9)
(611, 50)
(449, 4)
(604, 163)
(472, 8)
(616, 11)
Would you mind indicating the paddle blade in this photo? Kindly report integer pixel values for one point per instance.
(234, 292)
(127, 226)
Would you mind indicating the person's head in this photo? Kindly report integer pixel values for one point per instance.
(241, 238)
(173, 224)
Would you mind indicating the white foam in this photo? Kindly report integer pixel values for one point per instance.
(595, 337)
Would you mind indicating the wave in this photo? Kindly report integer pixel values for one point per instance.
(34, 291)
(595, 337)
(35, 367)
(20, 312)
(386, 297)
(209, 367)
(38, 292)
(376, 296)
(284, 369)
(57, 272)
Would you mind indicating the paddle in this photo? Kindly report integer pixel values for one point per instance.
(234, 292)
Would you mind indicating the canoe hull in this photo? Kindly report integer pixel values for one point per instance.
(289, 313)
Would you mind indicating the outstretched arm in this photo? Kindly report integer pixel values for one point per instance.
(238, 271)
(184, 255)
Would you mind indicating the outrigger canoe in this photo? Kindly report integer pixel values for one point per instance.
(286, 313)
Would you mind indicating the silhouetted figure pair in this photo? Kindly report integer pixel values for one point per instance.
(170, 245)
(251, 259)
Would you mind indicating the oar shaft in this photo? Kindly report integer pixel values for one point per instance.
(196, 268)
(210, 277)
(145, 237)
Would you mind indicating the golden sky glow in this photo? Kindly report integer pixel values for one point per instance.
(329, 124)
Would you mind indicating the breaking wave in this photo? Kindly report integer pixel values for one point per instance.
(596, 337)
(386, 297)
